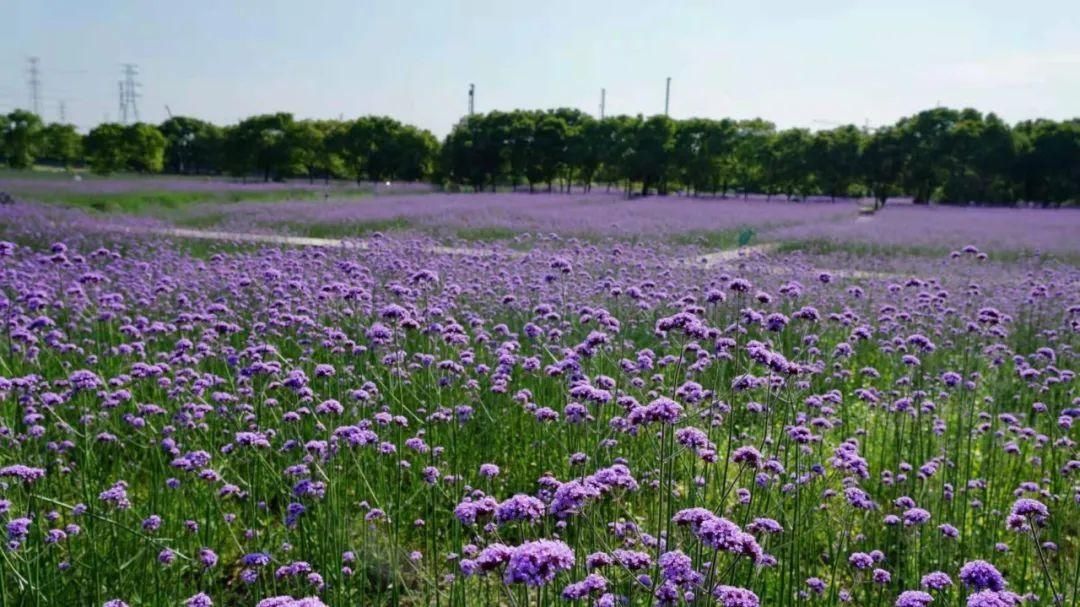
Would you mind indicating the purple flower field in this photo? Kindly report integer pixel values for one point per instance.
(993, 229)
(612, 215)
(578, 214)
(587, 422)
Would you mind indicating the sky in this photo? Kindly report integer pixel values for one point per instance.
(795, 62)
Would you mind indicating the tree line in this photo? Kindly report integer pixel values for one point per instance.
(942, 154)
(267, 147)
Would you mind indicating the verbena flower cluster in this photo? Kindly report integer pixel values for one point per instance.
(578, 423)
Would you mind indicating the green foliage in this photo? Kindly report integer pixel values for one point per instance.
(192, 146)
(881, 163)
(261, 144)
(834, 159)
(939, 155)
(22, 138)
(61, 144)
(105, 149)
(379, 148)
(144, 148)
(942, 155)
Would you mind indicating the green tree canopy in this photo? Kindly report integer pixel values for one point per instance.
(105, 148)
(23, 138)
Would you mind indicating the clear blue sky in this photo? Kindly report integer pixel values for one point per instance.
(792, 61)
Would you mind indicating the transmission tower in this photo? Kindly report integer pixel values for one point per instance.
(129, 94)
(472, 98)
(33, 81)
(122, 113)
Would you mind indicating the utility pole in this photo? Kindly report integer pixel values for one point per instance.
(33, 80)
(603, 98)
(472, 99)
(63, 112)
(667, 95)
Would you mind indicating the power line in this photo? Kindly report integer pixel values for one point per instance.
(33, 72)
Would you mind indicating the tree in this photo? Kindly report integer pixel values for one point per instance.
(595, 139)
(519, 132)
(752, 153)
(105, 149)
(834, 159)
(791, 167)
(192, 145)
(574, 144)
(548, 152)
(458, 155)
(615, 137)
(691, 155)
(925, 140)
(261, 143)
(308, 140)
(3, 137)
(982, 152)
(653, 152)
(882, 163)
(22, 138)
(61, 144)
(144, 148)
(415, 151)
(1047, 167)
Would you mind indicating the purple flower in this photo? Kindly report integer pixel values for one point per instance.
(18, 529)
(732, 596)
(936, 580)
(24, 474)
(536, 563)
(915, 516)
(861, 560)
(520, 507)
(199, 600)
(592, 584)
(116, 495)
(993, 598)
(980, 575)
(677, 568)
(914, 598)
(288, 601)
(1030, 509)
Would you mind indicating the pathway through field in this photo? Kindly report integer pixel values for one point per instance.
(707, 261)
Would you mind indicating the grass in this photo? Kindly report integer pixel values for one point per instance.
(716, 239)
(486, 233)
(347, 230)
(866, 250)
(158, 202)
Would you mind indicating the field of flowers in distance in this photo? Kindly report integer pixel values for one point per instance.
(568, 409)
